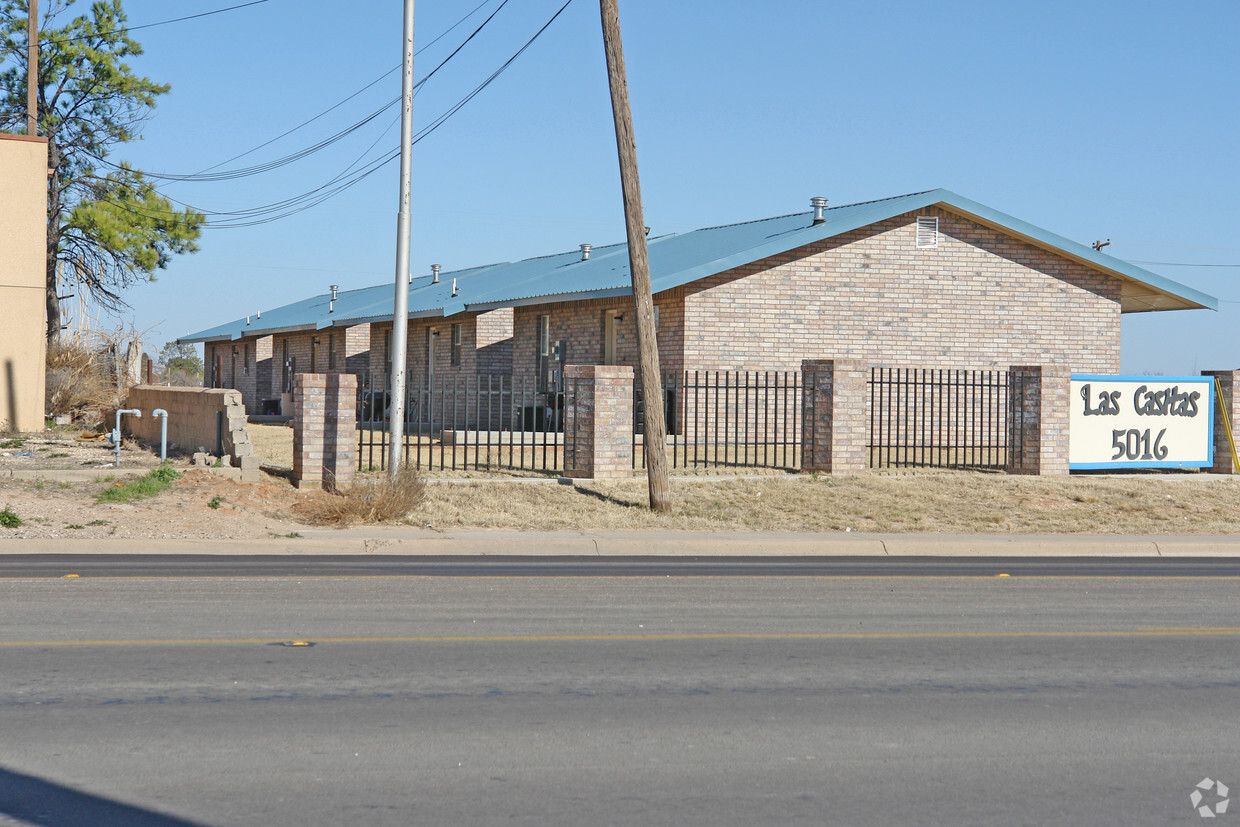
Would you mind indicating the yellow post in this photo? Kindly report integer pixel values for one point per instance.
(1231, 439)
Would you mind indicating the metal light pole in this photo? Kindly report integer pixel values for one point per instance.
(32, 70)
(400, 309)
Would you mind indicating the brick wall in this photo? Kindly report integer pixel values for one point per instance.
(600, 421)
(494, 341)
(1040, 413)
(324, 430)
(199, 419)
(255, 366)
(1230, 380)
(264, 371)
(834, 416)
(581, 325)
(485, 344)
(356, 357)
(979, 299)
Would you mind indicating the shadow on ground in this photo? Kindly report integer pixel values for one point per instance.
(35, 800)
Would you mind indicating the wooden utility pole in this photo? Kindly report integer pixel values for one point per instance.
(32, 70)
(639, 264)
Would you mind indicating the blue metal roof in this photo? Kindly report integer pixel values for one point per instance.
(676, 260)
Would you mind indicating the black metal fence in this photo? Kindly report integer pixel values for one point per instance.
(916, 418)
(727, 419)
(940, 418)
(467, 423)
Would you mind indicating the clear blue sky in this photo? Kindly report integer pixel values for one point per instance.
(1093, 120)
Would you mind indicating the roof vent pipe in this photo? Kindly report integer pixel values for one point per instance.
(820, 205)
(435, 268)
(585, 251)
(454, 288)
(331, 305)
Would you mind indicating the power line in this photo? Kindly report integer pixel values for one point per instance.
(192, 16)
(128, 29)
(244, 172)
(340, 103)
(293, 205)
(317, 196)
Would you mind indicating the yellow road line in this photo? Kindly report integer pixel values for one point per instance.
(1134, 633)
(587, 576)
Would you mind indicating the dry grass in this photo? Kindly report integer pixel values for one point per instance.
(927, 501)
(80, 383)
(944, 502)
(272, 443)
(368, 501)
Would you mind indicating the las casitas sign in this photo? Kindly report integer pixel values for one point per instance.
(1141, 422)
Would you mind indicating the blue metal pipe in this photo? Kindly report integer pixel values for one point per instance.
(116, 432)
(162, 415)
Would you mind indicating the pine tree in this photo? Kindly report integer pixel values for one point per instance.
(104, 218)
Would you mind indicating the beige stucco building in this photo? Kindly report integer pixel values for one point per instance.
(23, 250)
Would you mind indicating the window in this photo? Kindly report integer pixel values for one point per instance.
(456, 345)
(232, 368)
(314, 354)
(927, 231)
(544, 353)
(286, 375)
(245, 361)
(331, 351)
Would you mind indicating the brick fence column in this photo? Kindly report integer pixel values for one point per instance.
(598, 429)
(1230, 382)
(340, 431)
(1040, 404)
(833, 427)
(309, 428)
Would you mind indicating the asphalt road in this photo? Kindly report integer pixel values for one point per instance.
(654, 699)
(379, 565)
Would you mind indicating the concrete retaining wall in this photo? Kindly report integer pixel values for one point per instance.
(199, 419)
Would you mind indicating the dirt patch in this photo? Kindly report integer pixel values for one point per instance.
(201, 505)
(70, 510)
(67, 450)
(51, 509)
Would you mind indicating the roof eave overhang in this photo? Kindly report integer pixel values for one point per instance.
(380, 318)
(1158, 293)
(551, 298)
(191, 340)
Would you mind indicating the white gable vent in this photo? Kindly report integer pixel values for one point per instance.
(927, 231)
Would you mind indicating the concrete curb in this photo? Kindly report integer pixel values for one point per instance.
(424, 542)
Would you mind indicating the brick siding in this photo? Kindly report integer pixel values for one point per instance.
(979, 299)
(581, 325)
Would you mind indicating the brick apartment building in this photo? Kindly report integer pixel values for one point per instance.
(928, 279)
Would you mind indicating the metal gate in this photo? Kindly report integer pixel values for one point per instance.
(939, 418)
(727, 419)
(467, 423)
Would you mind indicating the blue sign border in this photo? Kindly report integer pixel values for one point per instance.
(1196, 380)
